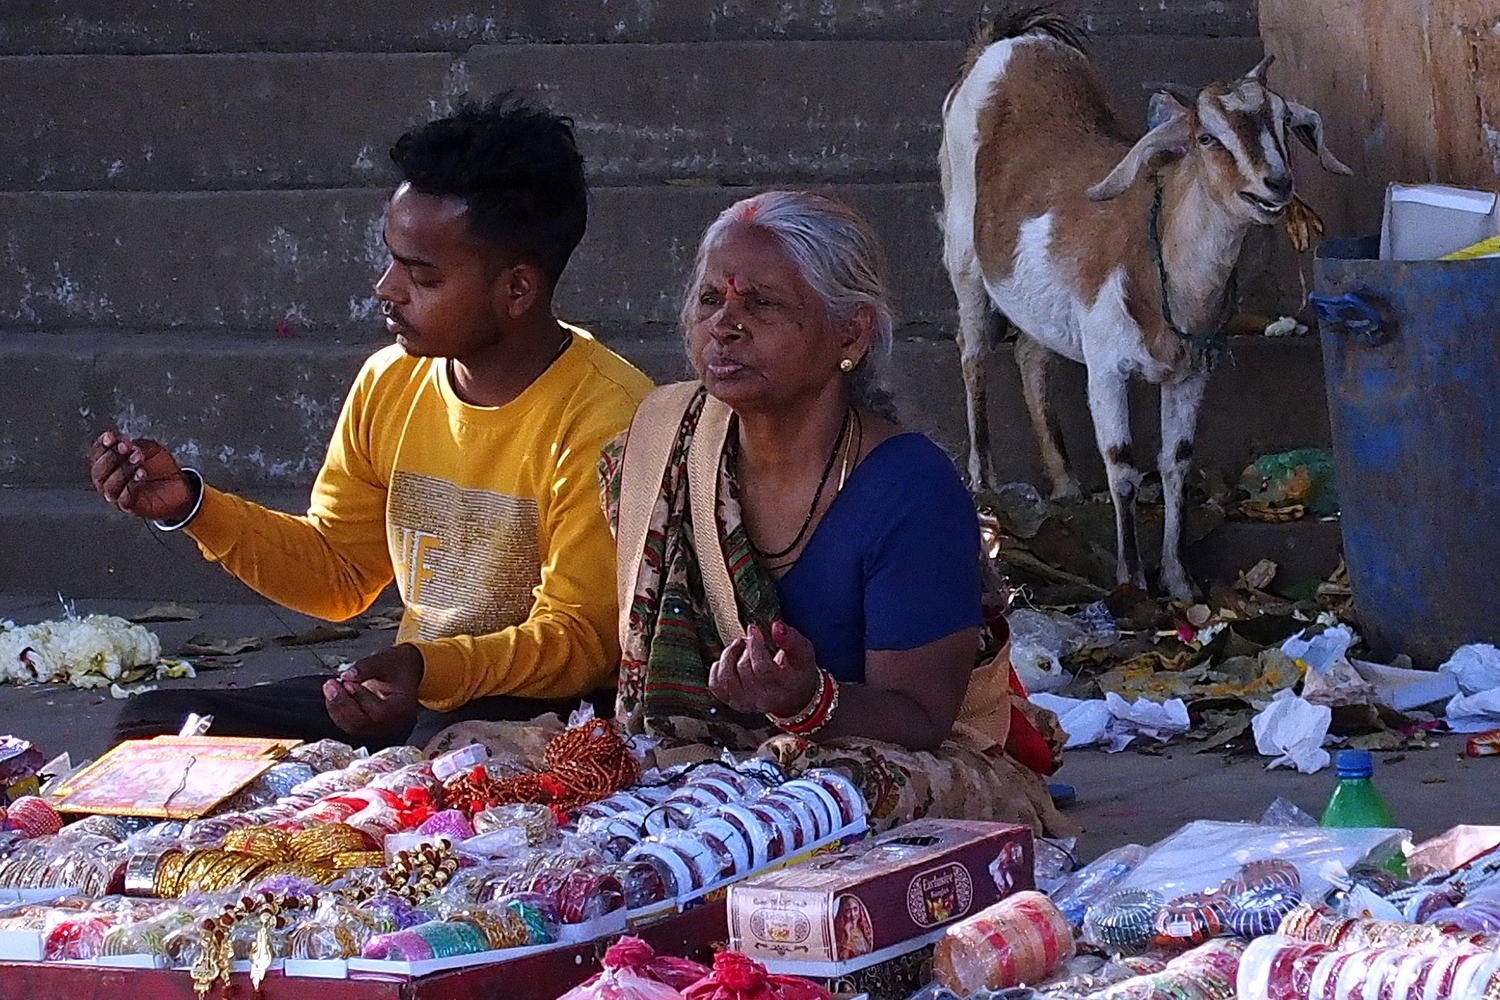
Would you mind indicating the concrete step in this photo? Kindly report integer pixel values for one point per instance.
(151, 26)
(256, 413)
(70, 544)
(303, 262)
(733, 112)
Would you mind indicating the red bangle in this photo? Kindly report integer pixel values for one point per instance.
(818, 713)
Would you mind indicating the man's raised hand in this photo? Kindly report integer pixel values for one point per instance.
(139, 477)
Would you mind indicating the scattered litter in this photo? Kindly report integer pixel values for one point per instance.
(317, 634)
(1476, 706)
(1318, 651)
(204, 644)
(1115, 722)
(1286, 326)
(1292, 730)
(1399, 687)
(171, 611)
(1483, 744)
(1289, 484)
(120, 694)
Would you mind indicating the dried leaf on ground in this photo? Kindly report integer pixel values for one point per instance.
(1259, 576)
(1227, 732)
(171, 611)
(383, 619)
(317, 634)
(204, 644)
(333, 662)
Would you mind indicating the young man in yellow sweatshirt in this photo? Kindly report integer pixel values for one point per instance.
(462, 464)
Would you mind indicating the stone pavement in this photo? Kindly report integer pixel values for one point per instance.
(1122, 797)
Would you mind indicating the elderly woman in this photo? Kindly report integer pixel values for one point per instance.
(789, 559)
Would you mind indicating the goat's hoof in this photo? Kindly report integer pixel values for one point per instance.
(1181, 590)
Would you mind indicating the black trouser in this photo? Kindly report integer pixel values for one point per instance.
(294, 708)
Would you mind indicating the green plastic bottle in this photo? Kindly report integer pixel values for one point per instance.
(1356, 803)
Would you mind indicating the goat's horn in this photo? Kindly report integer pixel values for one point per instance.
(1258, 74)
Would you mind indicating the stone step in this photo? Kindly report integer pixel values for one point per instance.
(305, 261)
(69, 544)
(256, 413)
(151, 26)
(302, 263)
(731, 112)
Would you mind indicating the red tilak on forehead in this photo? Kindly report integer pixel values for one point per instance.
(731, 287)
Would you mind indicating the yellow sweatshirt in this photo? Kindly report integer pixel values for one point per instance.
(487, 517)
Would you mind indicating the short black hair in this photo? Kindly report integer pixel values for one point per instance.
(516, 166)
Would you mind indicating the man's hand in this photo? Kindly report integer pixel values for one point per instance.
(376, 697)
(748, 677)
(139, 477)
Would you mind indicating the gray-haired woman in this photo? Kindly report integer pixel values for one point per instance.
(790, 559)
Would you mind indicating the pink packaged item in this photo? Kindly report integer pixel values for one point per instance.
(633, 971)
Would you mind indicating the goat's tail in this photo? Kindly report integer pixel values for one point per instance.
(1040, 20)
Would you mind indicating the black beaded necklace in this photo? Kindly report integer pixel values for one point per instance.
(833, 455)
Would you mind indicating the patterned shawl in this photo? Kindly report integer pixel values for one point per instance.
(672, 640)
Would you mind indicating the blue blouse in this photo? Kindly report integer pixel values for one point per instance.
(893, 564)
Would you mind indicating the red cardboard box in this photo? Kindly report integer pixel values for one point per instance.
(904, 884)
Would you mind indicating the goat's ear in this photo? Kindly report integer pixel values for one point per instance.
(1258, 74)
(1307, 125)
(1174, 130)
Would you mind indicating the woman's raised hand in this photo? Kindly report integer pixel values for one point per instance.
(749, 678)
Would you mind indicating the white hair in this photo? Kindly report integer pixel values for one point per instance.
(836, 253)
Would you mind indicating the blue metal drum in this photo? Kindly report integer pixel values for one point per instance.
(1411, 352)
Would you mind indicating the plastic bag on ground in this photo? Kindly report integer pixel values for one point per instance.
(1476, 707)
(1319, 651)
(1113, 721)
(1476, 667)
(1038, 641)
(1095, 880)
(1203, 853)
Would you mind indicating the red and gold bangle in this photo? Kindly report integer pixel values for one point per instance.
(817, 713)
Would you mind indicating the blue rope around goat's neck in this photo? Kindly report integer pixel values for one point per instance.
(1212, 345)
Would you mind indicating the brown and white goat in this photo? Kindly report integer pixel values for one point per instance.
(1044, 220)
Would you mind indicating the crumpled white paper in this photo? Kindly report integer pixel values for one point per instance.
(1292, 730)
(1115, 722)
(1476, 707)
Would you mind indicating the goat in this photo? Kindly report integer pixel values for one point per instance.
(1044, 223)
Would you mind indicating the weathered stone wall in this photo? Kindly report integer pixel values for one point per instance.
(191, 193)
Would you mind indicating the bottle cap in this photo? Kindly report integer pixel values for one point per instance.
(1355, 764)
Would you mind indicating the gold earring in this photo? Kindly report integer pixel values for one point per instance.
(847, 365)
